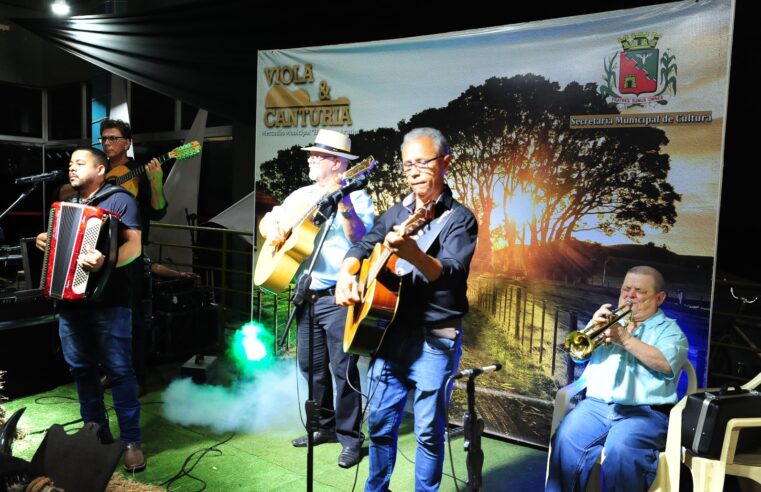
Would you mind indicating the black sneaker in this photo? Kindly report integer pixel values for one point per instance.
(320, 437)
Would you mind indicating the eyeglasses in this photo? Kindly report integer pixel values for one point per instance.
(420, 164)
(111, 139)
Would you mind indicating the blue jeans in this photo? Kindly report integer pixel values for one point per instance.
(102, 335)
(631, 435)
(422, 364)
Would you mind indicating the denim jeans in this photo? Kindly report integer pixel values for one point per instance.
(631, 435)
(422, 364)
(102, 335)
(345, 416)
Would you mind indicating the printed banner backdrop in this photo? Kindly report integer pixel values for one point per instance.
(583, 145)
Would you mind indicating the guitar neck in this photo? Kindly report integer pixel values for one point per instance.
(378, 266)
(409, 227)
(140, 170)
(311, 210)
(364, 166)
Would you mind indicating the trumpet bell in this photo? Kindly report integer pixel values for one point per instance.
(581, 344)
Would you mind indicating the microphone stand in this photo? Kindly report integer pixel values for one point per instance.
(21, 197)
(326, 213)
(191, 220)
(473, 427)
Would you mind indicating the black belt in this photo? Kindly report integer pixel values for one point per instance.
(322, 293)
(664, 409)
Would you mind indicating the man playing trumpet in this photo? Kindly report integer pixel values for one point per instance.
(631, 387)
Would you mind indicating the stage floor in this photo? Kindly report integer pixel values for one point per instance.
(266, 461)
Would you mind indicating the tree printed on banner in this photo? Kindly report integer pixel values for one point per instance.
(512, 146)
(285, 173)
(386, 181)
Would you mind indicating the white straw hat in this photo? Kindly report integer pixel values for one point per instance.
(332, 142)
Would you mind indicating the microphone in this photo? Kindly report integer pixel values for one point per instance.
(353, 185)
(476, 371)
(39, 178)
(328, 205)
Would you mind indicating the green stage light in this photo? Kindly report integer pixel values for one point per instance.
(249, 347)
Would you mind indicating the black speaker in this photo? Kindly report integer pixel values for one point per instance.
(170, 301)
(30, 353)
(182, 333)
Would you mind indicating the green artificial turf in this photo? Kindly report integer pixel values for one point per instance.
(266, 461)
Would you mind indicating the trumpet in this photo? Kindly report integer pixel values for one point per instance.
(581, 344)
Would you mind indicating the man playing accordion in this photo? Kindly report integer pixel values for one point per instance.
(100, 332)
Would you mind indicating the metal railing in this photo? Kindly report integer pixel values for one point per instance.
(226, 269)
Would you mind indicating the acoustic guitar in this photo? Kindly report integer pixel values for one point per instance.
(278, 262)
(128, 178)
(368, 320)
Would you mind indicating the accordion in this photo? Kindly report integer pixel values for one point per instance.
(73, 227)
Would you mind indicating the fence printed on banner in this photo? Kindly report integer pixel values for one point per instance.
(513, 324)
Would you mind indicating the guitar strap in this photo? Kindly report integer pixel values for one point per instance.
(424, 241)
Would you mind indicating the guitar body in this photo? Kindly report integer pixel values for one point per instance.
(119, 171)
(277, 264)
(368, 320)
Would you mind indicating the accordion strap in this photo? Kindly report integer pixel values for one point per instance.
(113, 254)
(106, 190)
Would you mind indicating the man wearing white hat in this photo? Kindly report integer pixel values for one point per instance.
(329, 156)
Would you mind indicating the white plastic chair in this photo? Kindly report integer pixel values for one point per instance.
(709, 474)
